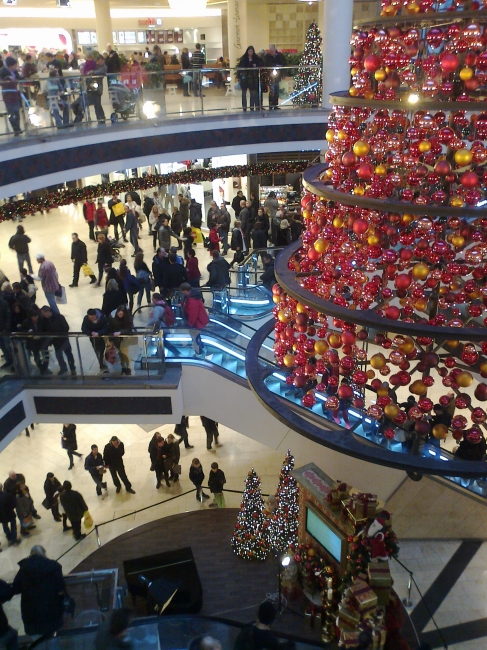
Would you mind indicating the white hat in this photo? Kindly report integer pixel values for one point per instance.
(40, 256)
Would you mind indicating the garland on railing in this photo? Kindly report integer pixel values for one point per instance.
(66, 197)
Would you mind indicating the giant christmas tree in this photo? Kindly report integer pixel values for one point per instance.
(307, 83)
(283, 527)
(249, 538)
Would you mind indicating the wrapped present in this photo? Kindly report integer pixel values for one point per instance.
(383, 595)
(343, 488)
(364, 505)
(379, 574)
(333, 499)
(349, 638)
(364, 596)
(349, 513)
(379, 635)
(347, 618)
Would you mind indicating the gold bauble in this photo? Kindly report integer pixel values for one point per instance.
(373, 240)
(381, 170)
(413, 8)
(330, 134)
(380, 74)
(378, 361)
(420, 305)
(353, 92)
(424, 146)
(464, 379)
(458, 241)
(391, 410)
(457, 202)
(284, 316)
(301, 309)
(289, 360)
(407, 347)
(463, 157)
(369, 94)
(361, 148)
(321, 245)
(440, 431)
(407, 218)
(338, 222)
(418, 387)
(321, 347)
(420, 271)
(358, 190)
(370, 374)
(342, 135)
(466, 74)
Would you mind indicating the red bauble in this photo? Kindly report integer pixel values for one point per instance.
(449, 62)
(372, 63)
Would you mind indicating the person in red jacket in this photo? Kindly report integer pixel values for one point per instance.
(214, 239)
(89, 209)
(194, 313)
(101, 218)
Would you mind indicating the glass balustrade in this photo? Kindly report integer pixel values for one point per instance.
(73, 102)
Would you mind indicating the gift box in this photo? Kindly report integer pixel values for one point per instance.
(383, 595)
(365, 597)
(379, 574)
(379, 635)
(343, 488)
(333, 499)
(347, 618)
(349, 639)
(349, 513)
(364, 505)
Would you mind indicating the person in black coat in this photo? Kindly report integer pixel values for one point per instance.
(79, 256)
(238, 244)
(7, 516)
(216, 481)
(8, 636)
(95, 325)
(94, 465)
(56, 324)
(75, 507)
(52, 488)
(113, 459)
(70, 443)
(218, 269)
(103, 256)
(159, 452)
(174, 275)
(268, 278)
(195, 214)
(112, 298)
(236, 203)
(197, 476)
(160, 262)
(40, 583)
(172, 459)
(259, 237)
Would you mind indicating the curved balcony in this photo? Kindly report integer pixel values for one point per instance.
(160, 124)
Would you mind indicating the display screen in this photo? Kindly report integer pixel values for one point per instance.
(324, 534)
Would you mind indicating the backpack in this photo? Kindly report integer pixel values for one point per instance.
(207, 242)
(169, 316)
(245, 639)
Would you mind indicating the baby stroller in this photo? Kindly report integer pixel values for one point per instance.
(115, 246)
(124, 101)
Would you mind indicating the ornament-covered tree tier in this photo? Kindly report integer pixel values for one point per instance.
(250, 536)
(390, 281)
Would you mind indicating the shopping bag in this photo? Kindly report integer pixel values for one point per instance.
(88, 519)
(60, 296)
(87, 270)
(197, 235)
(118, 209)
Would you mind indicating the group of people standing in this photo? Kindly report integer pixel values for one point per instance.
(258, 74)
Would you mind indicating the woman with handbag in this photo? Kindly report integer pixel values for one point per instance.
(171, 463)
(70, 443)
(122, 323)
(143, 275)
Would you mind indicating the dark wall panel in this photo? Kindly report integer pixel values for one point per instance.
(11, 419)
(103, 405)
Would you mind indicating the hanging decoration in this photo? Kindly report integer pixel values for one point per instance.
(191, 176)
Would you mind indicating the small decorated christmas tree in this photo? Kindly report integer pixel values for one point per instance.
(250, 536)
(308, 81)
(283, 527)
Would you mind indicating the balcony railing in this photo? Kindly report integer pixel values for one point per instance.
(61, 104)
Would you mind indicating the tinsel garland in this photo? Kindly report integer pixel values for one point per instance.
(69, 196)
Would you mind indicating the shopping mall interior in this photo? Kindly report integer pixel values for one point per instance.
(336, 372)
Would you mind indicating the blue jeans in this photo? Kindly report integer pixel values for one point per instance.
(10, 529)
(57, 117)
(51, 301)
(24, 257)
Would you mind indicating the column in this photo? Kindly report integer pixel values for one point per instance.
(104, 32)
(237, 30)
(335, 22)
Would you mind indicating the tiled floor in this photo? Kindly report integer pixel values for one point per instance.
(42, 452)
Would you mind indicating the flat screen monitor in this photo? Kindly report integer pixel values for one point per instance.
(325, 534)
